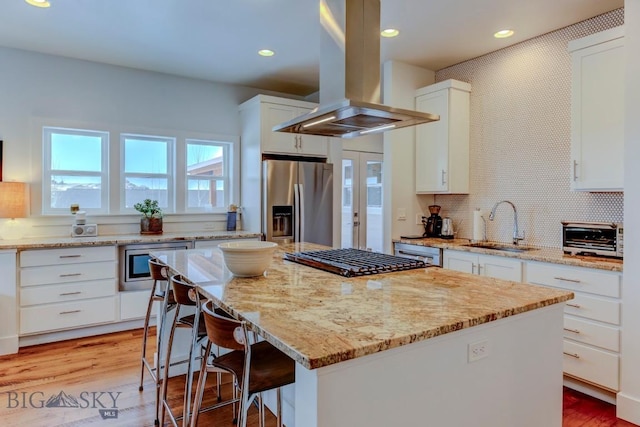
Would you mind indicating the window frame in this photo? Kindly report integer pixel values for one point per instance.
(48, 172)
(169, 176)
(228, 158)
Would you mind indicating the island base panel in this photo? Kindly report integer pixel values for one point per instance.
(431, 382)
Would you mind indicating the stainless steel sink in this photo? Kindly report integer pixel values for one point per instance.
(501, 247)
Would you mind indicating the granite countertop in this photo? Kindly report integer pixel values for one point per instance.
(125, 239)
(543, 254)
(319, 318)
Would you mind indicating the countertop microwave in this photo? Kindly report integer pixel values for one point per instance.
(593, 238)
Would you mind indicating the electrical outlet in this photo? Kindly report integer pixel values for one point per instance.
(419, 219)
(478, 350)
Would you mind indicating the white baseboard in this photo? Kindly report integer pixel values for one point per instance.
(29, 340)
(8, 345)
(628, 408)
(590, 390)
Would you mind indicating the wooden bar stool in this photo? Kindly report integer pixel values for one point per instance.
(159, 293)
(256, 367)
(185, 296)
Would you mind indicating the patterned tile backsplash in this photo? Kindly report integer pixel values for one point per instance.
(520, 139)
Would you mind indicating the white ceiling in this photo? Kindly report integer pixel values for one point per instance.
(217, 40)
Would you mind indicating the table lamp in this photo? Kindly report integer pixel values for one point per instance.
(13, 204)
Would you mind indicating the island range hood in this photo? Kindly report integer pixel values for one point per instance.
(350, 77)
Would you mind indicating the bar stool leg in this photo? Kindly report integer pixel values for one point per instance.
(167, 362)
(145, 334)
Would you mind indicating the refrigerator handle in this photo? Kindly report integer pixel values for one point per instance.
(296, 213)
(301, 211)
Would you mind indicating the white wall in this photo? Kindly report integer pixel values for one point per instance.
(37, 88)
(400, 82)
(628, 401)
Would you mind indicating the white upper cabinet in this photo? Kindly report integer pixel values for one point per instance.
(442, 147)
(597, 111)
(262, 113)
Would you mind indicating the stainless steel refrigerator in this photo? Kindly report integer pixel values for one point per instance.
(297, 201)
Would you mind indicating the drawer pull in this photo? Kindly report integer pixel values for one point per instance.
(70, 312)
(564, 279)
(574, 305)
(71, 275)
(575, 331)
(572, 355)
(70, 293)
(70, 256)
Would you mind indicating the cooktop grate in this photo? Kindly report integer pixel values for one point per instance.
(353, 262)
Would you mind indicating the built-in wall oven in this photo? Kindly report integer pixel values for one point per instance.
(134, 263)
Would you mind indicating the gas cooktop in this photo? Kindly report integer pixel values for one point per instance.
(353, 262)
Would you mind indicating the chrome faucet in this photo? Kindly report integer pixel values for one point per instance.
(516, 234)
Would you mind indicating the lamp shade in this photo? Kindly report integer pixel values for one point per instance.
(14, 200)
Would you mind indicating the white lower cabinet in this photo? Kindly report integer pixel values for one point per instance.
(591, 321)
(67, 288)
(483, 265)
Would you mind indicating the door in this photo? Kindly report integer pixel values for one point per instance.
(314, 195)
(362, 200)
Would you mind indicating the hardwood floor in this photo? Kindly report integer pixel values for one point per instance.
(102, 373)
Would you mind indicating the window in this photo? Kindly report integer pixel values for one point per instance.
(75, 170)
(208, 173)
(147, 171)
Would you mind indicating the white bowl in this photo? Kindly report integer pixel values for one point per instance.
(247, 258)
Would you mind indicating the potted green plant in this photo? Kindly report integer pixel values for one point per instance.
(151, 221)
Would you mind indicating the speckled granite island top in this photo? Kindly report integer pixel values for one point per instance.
(121, 239)
(319, 318)
(542, 254)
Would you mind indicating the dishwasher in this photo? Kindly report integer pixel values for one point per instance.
(428, 254)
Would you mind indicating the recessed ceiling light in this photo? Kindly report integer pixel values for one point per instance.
(38, 3)
(266, 52)
(503, 34)
(389, 32)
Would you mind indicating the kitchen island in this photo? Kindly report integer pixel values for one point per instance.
(419, 347)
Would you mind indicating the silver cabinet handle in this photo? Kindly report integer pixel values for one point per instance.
(70, 293)
(575, 170)
(442, 177)
(574, 305)
(473, 268)
(71, 275)
(564, 279)
(70, 256)
(70, 312)
(300, 144)
(574, 355)
(575, 331)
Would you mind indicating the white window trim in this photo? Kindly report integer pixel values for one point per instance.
(47, 131)
(169, 176)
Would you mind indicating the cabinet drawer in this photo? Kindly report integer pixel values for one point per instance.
(591, 333)
(590, 364)
(67, 273)
(67, 255)
(594, 308)
(575, 278)
(67, 315)
(33, 295)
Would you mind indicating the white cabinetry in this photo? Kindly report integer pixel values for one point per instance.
(597, 111)
(205, 244)
(591, 321)
(261, 113)
(484, 265)
(442, 147)
(67, 288)
(8, 303)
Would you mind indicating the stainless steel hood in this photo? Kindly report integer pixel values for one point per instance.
(350, 77)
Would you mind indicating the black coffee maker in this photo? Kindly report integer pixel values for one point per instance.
(432, 224)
